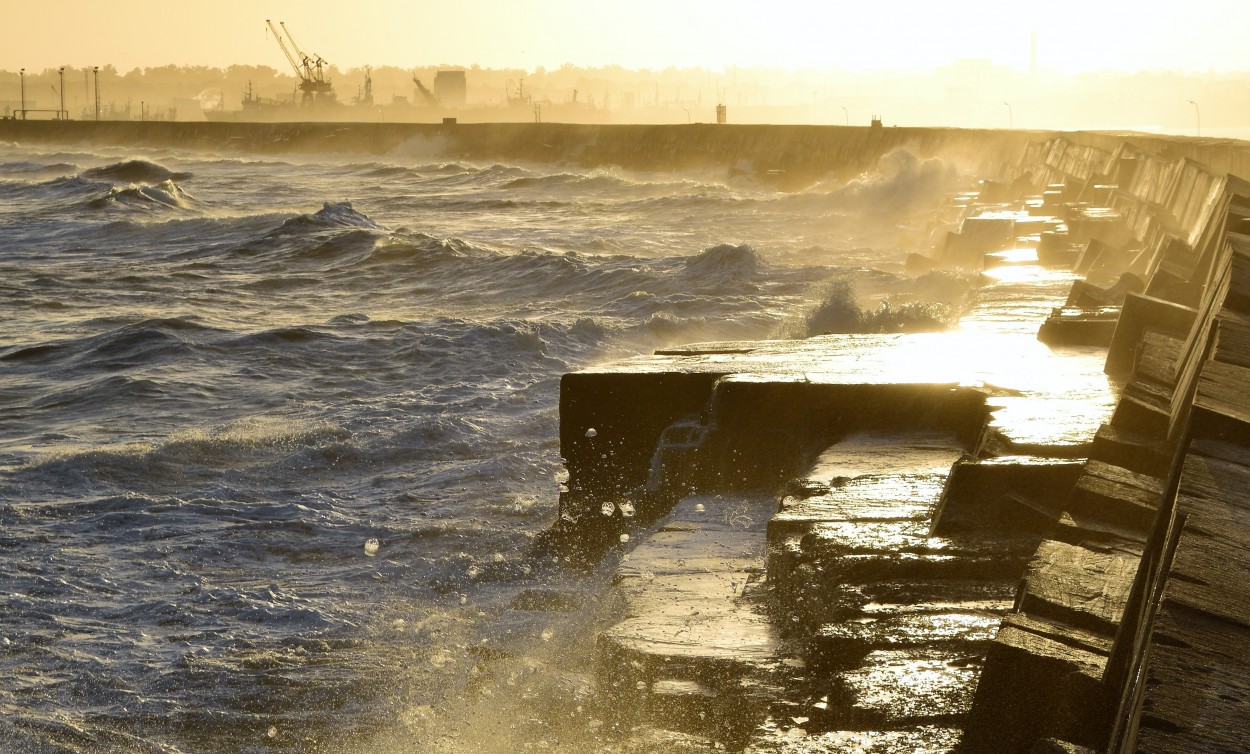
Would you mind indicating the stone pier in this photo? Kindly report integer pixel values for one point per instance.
(1026, 534)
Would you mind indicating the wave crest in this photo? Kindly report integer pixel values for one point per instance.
(839, 311)
(331, 215)
(134, 171)
(725, 265)
(165, 195)
(902, 184)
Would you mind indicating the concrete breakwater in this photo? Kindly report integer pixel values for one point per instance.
(792, 156)
(971, 541)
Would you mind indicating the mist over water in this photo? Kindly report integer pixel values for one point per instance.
(276, 436)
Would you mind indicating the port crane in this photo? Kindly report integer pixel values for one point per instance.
(310, 70)
(430, 98)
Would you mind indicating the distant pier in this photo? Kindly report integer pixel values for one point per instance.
(790, 156)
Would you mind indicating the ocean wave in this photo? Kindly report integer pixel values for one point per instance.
(724, 265)
(332, 215)
(902, 184)
(443, 168)
(134, 171)
(839, 311)
(187, 455)
(457, 175)
(144, 342)
(598, 180)
(38, 168)
(408, 247)
(391, 170)
(165, 195)
(59, 189)
(102, 393)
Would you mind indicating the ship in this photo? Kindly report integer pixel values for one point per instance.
(314, 100)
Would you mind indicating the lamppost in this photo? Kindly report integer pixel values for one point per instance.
(61, 115)
(1011, 120)
(846, 114)
(96, 71)
(1197, 114)
(22, 75)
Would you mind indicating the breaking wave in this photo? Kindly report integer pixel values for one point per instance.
(164, 195)
(902, 184)
(839, 311)
(134, 171)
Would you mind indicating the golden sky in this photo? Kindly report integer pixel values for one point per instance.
(1072, 36)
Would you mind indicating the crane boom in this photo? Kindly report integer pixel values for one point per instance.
(426, 94)
(312, 84)
(285, 51)
(309, 62)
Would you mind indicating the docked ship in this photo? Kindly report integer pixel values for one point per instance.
(315, 100)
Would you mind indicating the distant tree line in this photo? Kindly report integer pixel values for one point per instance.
(970, 93)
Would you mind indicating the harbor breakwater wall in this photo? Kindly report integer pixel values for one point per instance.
(854, 543)
(791, 156)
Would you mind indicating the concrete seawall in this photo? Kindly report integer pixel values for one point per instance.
(837, 550)
(792, 156)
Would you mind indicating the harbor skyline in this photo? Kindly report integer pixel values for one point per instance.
(646, 34)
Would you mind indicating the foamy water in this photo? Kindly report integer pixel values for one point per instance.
(277, 436)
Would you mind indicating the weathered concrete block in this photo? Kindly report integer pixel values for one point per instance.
(977, 237)
(1221, 408)
(1117, 495)
(1058, 250)
(1097, 534)
(1011, 494)
(894, 688)
(1137, 313)
(839, 643)
(1143, 414)
(1067, 326)
(1196, 690)
(1076, 586)
(1130, 451)
(1032, 687)
(610, 424)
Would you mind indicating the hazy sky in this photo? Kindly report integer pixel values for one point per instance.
(1072, 36)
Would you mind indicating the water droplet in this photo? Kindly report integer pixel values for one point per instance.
(591, 432)
(371, 546)
(606, 509)
(627, 509)
(464, 600)
(624, 538)
(698, 508)
(547, 634)
(641, 685)
(273, 731)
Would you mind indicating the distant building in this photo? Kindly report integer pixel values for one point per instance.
(451, 88)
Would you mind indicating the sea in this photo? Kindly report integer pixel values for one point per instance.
(279, 433)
